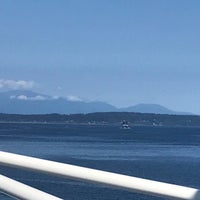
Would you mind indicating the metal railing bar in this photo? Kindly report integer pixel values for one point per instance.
(22, 191)
(133, 184)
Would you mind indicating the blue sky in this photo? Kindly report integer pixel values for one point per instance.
(120, 52)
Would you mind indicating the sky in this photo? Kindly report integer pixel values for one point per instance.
(122, 52)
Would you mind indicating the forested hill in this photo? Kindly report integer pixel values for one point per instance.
(107, 118)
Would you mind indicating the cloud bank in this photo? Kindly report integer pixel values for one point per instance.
(26, 98)
(16, 85)
(73, 98)
(41, 98)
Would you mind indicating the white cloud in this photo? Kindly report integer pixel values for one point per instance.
(24, 97)
(13, 84)
(73, 98)
(39, 98)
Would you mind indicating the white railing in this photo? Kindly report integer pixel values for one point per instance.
(133, 184)
(21, 191)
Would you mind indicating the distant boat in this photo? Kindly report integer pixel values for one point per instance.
(125, 125)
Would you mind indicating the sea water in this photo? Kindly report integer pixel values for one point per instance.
(168, 154)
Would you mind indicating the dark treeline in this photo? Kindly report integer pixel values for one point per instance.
(107, 118)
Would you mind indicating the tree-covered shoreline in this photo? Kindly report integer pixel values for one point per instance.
(105, 118)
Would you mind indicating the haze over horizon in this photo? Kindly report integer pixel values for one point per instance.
(120, 52)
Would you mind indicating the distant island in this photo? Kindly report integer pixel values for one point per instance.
(106, 118)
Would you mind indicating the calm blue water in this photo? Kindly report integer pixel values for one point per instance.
(159, 153)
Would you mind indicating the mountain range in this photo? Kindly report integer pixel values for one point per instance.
(28, 102)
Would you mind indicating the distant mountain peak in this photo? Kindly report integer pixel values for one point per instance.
(29, 102)
(152, 108)
(20, 92)
(23, 95)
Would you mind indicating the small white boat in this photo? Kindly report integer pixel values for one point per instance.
(125, 125)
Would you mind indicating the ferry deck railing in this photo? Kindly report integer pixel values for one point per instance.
(21, 191)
